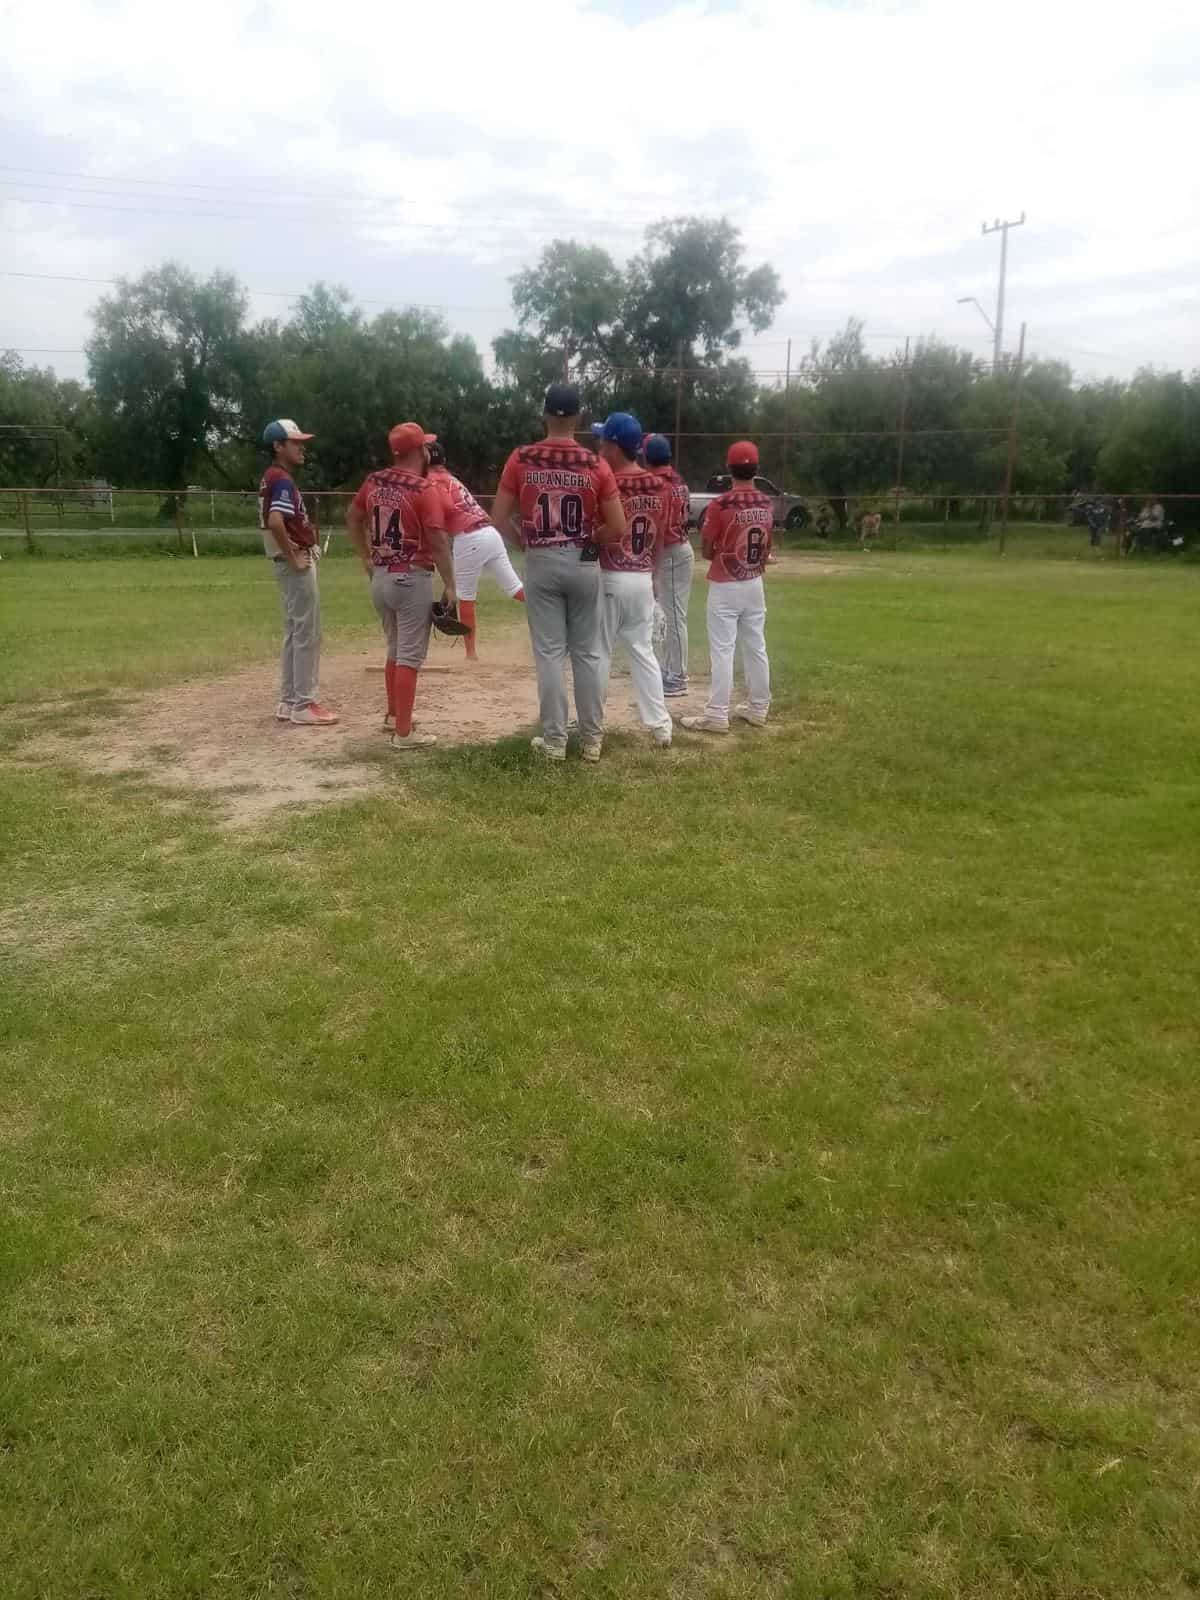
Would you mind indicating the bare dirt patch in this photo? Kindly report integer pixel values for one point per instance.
(219, 736)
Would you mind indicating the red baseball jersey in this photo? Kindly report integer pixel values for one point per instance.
(560, 487)
(401, 508)
(463, 511)
(278, 492)
(647, 502)
(737, 527)
(680, 509)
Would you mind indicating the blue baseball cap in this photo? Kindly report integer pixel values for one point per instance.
(623, 429)
(658, 450)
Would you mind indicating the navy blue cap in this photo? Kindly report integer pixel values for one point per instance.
(658, 450)
(621, 428)
(562, 400)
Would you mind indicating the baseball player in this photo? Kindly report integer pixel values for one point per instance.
(291, 542)
(627, 568)
(474, 544)
(676, 564)
(736, 543)
(397, 523)
(567, 502)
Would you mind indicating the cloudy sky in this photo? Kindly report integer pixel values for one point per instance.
(424, 154)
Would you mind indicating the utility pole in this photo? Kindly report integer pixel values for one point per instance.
(1002, 229)
(900, 433)
(1014, 422)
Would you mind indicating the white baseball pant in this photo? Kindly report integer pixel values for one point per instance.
(737, 614)
(479, 552)
(627, 615)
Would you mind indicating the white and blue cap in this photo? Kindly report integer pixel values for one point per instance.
(284, 429)
(621, 428)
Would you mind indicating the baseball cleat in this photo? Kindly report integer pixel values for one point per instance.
(313, 716)
(662, 738)
(549, 752)
(283, 712)
(675, 688)
(703, 725)
(413, 741)
(389, 723)
(591, 752)
(754, 718)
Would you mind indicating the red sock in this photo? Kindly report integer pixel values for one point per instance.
(520, 594)
(466, 611)
(404, 690)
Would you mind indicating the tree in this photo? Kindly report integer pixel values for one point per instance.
(1155, 444)
(44, 425)
(167, 369)
(689, 289)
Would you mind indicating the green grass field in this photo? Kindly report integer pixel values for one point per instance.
(767, 1171)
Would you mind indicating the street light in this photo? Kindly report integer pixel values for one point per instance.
(970, 300)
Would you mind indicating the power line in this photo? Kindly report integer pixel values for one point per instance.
(271, 188)
(270, 294)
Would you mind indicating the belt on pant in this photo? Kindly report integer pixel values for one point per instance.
(582, 552)
(403, 566)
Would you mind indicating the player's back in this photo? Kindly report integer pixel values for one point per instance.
(559, 486)
(399, 507)
(680, 507)
(464, 514)
(737, 527)
(646, 500)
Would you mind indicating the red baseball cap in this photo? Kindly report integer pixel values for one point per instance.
(742, 454)
(407, 436)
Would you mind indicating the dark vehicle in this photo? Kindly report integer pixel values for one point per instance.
(791, 510)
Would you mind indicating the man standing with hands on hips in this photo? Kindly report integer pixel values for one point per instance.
(567, 502)
(291, 542)
(736, 543)
(397, 524)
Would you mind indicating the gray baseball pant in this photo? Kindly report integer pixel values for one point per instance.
(300, 658)
(404, 604)
(563, 607)
(674, 589)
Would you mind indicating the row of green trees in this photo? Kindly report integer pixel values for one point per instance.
(181, 383)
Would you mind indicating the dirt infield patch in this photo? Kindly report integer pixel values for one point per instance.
(219, 736)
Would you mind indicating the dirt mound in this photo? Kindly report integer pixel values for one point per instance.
(220, 736)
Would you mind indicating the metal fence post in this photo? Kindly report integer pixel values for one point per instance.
(28, 526)
(900, 434)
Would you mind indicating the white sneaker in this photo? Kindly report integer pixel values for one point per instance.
(591, 752)
(313, 716)
(413, 741)
(662, 738)
(283, 712)
(752, 717)
(703, 725)
(550, 752)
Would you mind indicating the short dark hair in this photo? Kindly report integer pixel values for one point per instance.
(437, 454)
(744, 471)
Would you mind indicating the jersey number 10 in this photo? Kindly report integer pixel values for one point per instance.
(559, 516)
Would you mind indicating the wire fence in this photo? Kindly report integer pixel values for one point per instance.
(199, 520)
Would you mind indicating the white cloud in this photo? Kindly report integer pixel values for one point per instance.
(859, 147)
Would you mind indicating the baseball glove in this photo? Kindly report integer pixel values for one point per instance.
(446, 620)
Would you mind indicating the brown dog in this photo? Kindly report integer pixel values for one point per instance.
(868, 527)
